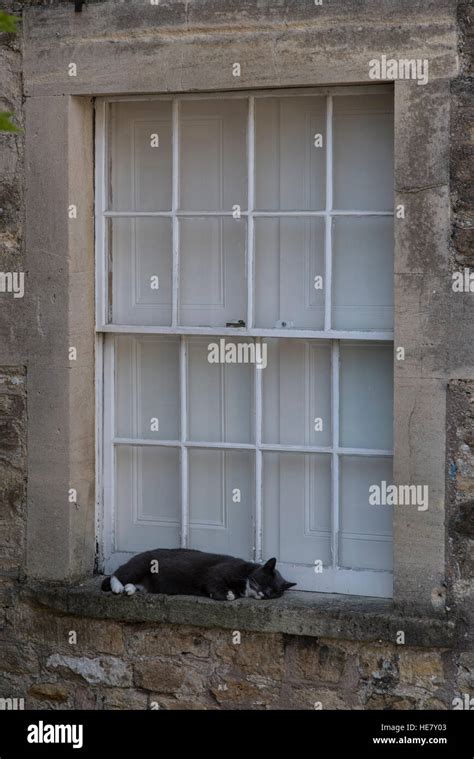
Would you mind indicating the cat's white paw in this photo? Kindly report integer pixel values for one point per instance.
(115, 585)
(230, 596)
(130, 589)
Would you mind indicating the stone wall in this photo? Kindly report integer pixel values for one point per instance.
(460, 569)
(12, 469)
(123, 665)
(114, 665)
(460, 405)
(12, 329)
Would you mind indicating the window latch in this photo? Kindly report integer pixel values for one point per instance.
(240, 323)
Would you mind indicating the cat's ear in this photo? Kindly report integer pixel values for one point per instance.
(288, 585)
(270, 565)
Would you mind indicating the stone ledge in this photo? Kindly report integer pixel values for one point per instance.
(320, 615)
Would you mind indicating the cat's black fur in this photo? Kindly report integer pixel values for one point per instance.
(182, 571)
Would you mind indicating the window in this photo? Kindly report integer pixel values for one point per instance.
(251, 225)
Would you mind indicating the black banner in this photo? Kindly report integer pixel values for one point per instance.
(387, 733)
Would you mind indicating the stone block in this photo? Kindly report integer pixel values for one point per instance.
(159, 676)
(55, 632)
(167, 641)
(309, 698)
(420, 669)
(122, 698)
(49, 692)
(103, 670)
(252, 692)
(255, 653)
(309, 660)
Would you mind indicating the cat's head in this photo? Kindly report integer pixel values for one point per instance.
(267, 582)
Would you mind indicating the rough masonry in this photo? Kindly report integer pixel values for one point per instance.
(63, 651)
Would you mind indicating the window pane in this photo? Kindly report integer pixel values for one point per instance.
(289, 273)
(220, 396)
(212, 277)
(297, 507)
(363, 273)
(140, 156)
(147, 387)
(363, 152)
(365, 530)
(290, 171)
(213, 155)
(297, 393)
(366, 392)
(141, 253)
(148, 498)
(289, 292)
(221, 501)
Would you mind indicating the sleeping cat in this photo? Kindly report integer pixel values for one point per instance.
(183, 571)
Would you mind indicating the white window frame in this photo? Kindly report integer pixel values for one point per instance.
(334, 579)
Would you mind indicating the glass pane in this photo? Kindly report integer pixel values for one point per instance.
(289, 273)
(147, 387)
(140, 156)
(141, 254)
(363, 273)
(290, 154)
(221, 501)
(212, 277)
(148, 498)
(297, 507)
(213, 154)
(366, 396)
(363, 152)
(365, 538)
(297, 393)
(220, 395)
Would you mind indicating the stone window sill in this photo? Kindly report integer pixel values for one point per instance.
(320, 615)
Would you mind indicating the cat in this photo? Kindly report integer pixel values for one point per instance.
(184, 571)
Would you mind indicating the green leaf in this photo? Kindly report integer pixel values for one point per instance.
(6, 125)
(8, 23)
